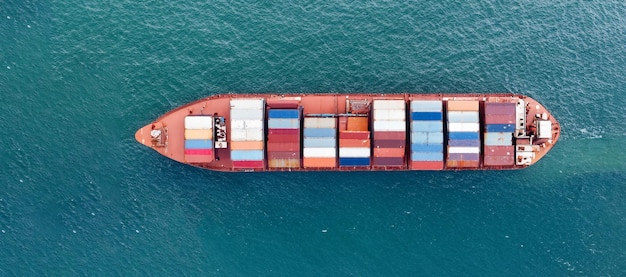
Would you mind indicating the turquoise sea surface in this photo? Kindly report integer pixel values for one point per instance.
(79, 197)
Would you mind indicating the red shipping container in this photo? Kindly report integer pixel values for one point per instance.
(500, 119)
(500, 151)
(423, 165)
(343, 123)
(389, 135)
(247, 164)
(462, 164)
(354, 143)
(499, 160)
(283, 146)
(389, 144)
(500, 108)
(282, 104)
(283, 138)
(283, 155)
(388, 161)
(208, 152)
(354, 135)
(389, 152)
(199, 158)
(294, 132)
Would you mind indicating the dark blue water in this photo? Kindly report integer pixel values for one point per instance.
(78, 196)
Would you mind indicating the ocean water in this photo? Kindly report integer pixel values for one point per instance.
(78, 196)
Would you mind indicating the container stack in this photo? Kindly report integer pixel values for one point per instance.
(389, 132)
(354, 142)
(426, 135)
(463, 134)
(199, 139)
(499, 129)
(320, 142)
(283, 138)
(247, 132)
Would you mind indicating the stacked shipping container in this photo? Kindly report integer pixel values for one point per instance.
(199, 139)
(247, 132)
(463, 134)
(426, 135)
(389, 132)
(283, 138)
(320, 142)
(499, 128)
(354, 141)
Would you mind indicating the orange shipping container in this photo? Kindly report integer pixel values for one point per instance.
(354, 143)
(462, 105)
(283, 163)
(464, 164)
(389, 152)
(319, 162)
(358, 123)
(198, 133)
(246, 145)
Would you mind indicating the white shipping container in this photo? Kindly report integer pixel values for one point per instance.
(238, 134)
(462, 116)
(389, 115)
(237, 124)
(426, 106)
(395, 126)
(254, 134)
(463, 150)
(320, 122)
(463, 127)
(246, 124)
(247, 104)
(246, 115)
(246, 134)
(319, 152)
(198, 122)
(354, 152)
(389, 105)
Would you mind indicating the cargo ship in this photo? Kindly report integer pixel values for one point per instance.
(355, 132)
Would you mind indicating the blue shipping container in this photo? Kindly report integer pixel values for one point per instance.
(426, 116)
(427, 148)
(354, 161)
(426, 126)
(500, 128)
(498, 139)
(320, 132)
(426, 105)
(463, 135)
(246, 155)
(427, 137)
(464, 142)
(283, 123)
(198, 144)
(319, 142)
(284, 114)
(426, 156)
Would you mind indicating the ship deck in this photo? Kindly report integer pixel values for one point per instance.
(172, 123)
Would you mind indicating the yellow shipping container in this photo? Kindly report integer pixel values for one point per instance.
(199, 134)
